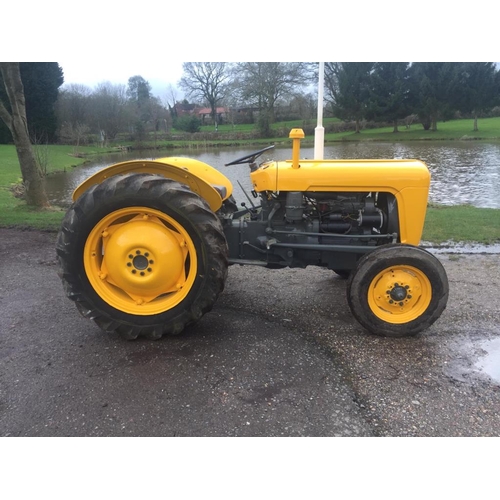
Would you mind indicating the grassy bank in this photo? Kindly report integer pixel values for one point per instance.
(243, 135)
(462, 223)
(13, 211)
(489, 128)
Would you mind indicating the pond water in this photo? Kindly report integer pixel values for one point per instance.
(461, 171)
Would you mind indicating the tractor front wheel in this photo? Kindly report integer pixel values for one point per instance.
(142, 255)
(397, 290)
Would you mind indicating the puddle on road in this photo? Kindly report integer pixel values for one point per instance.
(490, 363)
(473, 359)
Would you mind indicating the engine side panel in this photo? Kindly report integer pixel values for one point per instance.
(407, 180)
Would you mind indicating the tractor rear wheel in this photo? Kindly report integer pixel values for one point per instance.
(397, 290)
(142, 255)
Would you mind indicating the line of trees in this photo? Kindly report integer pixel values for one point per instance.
(355, 92)
(109, 109)
(430, 90)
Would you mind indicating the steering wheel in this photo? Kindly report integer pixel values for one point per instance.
(249, 158)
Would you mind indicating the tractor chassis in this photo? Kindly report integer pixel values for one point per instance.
(254, 242)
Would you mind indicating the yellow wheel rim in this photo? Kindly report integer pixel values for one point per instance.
(399, 294)
(140, 261)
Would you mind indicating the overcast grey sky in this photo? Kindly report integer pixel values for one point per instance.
(92, 72)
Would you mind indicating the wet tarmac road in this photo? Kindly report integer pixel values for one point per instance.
(280, 355)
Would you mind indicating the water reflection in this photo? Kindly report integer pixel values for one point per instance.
(462, 171)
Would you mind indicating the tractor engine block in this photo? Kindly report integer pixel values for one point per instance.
(334, 212)
(298, 229)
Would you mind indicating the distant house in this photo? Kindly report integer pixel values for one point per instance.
(184, 108)
(203, 113)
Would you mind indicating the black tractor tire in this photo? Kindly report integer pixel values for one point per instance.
(397, 290)
(139, 207)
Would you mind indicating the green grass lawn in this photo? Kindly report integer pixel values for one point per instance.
(489, 129)
(13, 211)
(462, 224)
(228, 128)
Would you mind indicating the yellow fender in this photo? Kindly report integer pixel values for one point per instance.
(204, 180)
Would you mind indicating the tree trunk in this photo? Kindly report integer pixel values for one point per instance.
(271, 114)
(16, 121)
(426, 122)
(213, 114)
(475, 122)
(395, 126)
(434, 123)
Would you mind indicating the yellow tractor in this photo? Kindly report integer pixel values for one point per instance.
(145, 247)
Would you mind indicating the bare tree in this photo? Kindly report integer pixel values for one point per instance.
(108, 109)
(74, 133)
(157, 115)
(16, 121)
(170, 100)
(265, 83)
(207, 81)
(73, 114)
(73, 104)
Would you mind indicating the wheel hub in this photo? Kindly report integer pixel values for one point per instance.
(398, 293)
(144, 259)
(140, 262)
